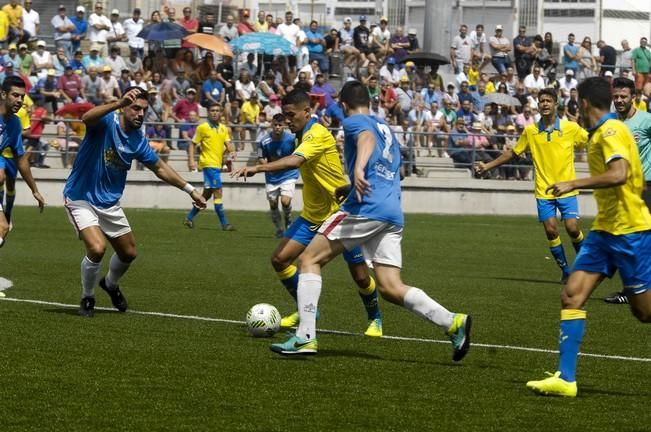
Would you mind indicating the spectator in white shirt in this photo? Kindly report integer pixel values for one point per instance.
(31, 20)
(568, 83)
(289, 31)
(116, 62)
(479, 45)
(42, 60)
(389, 72)
(534, 80)
(244, 87)
(63, 29)
(98, 28)
(133, 26)
(116, 35)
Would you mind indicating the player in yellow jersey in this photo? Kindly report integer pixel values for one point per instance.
(8, 167)
(213, 137)
(322, 174)
(551, 142)
(620, 237)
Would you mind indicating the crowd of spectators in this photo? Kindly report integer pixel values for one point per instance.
(94, 57)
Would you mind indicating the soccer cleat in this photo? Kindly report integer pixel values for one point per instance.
(459, 334)
(188, 223)
(553, 385)
(374, 328)
(279, 234)
(617, 298)
(228, 227)
(290, 320)
(118, 300)
(87, 307)
(296, 346)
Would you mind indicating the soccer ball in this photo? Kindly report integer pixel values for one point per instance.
(263, 320)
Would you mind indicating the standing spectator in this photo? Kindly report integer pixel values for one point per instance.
(362, 39)
(303, 55)
(316, 46)
(524, 51)
(380, 40)
(188, 23)
(109, 90)
(460, 50)
(63, 30)
(81, 28)
(244, 26)
(212, 91)
(33, 143)
(479, 45)
(587, 62)
(261, 25)
(98, 27)
(116, 36)
(641, 60)
(607, 57)
(399, 43)
(31, 21)
(500, 49)
(93, 58)
(289, 31)
(69, 85)
(571, 54)
(228, 30)
(14, 13)
(133, 26)
(207, 26)
(183, 107)
(91, 85)
(116, 62)
(42, 60)
(627, 58)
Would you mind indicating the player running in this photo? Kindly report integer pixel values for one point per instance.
(639, 123)
(279, 184)
(620, 237)
(551, 142)
(213, 137)
(322, 175)
(11, 139)
(96, 184)
(371, 218)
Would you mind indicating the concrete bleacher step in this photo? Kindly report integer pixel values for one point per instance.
(438, 172)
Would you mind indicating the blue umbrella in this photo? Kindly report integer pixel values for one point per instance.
(266, 43)
(162, 31)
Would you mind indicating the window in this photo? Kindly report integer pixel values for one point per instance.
(569, 13)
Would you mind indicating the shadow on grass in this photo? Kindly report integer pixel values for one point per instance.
(75, 311)
(537, 281)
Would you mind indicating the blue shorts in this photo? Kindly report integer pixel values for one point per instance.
(568, 207)
(605, 253)
(212, 178)
(303, 231)
(10, 167)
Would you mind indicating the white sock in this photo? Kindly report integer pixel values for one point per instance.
(309, 290)
(1, 241)
(417, 301)
(90, 272)
(117, 269)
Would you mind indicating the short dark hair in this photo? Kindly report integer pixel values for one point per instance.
(314, 22)
(597, 92)
(296, 97)
(355, 95)
(211, 105)
(141, 94)
(549, 92)
(279, 118)
(12, 81)
(621, 82)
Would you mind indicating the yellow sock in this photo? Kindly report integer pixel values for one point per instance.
(579, 238)
(555, 242)
(370, 288)
(287, 273)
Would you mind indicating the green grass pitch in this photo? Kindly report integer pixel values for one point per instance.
(132, 372)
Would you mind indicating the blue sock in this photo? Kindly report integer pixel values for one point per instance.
(219, 209)
(11, 197)
(192, 213)
(289, 278)
(558, 252)
(2, 195)
(572, 330)
(370, 300)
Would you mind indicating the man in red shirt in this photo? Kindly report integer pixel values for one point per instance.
(70, 86)
(34, 145)
(244, 25)
(184, 106)
(188, 23)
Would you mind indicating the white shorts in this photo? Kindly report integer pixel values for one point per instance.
(285, 188)
(112, 221)
(380, 241)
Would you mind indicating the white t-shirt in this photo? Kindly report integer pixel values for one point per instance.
(246, 89)
(477, 42)
(289, 32)
(38, 59)
(462, 48)
(531, 82)
(380, 37)
(117, 31)
(389, 76)
(98, 35)
(30, 19)
(108, 87)
(132, 28)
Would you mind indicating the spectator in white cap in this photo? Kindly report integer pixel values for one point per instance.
(63, 29)
(500, 49)
(42, 60)
(31, 21)
(568, 83)
(116, 37)
(98, 28)
(414, 46)
(346, 43)
(93, 58)
(81, 28)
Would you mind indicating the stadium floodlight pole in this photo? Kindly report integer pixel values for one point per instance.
(437, 26)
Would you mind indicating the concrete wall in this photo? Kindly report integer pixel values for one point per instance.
(419, 195)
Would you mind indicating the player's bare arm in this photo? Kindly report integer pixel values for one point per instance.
(481, 167)
(166, 173)
(288, 162)
(93, 116)
(615, 176)
(365, 147)
(26, 173)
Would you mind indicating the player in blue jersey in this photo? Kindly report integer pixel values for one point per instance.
(371, 217)
(11, 130)
(93, 190)
(279, 184)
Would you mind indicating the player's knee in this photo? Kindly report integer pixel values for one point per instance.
(642, 315)
(95, 251)
(4, 229)
(128, 255)
(279, 263)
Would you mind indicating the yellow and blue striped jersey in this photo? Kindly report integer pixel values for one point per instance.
(552, 152)
(322, 172)
(212, 140)
(621, 209)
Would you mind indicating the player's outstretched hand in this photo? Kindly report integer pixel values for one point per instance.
(129, 97)
(245, 172)
(561, 188)
(198, 200)
(480, 168)
(362, 187)
(41, 202)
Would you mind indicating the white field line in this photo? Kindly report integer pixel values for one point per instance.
(337, 332)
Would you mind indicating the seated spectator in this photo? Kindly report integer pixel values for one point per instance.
(45, 90)
(212, 91)
(77, 63)
(34, 146)
(125, 80)
(249, 114)
(67, 141)
(93, 59)
(524, 119)
(139, 80)
(389, 100)
(12, 55)
(430, 95)
(133, 62)
(460, 146)
(267, 88)
(405, 98)
(116, 62)
(464, 93)
(225, 74)
(420, 122)
(332, 47)
(389, 72)
(244, 87)
(250, 66)
(273, 107)
(414, 46)
(380, 43)
(452, 96)
(157, 137)
(465, 112)
(399, 44)
(534, 80)
(371, 72)
(376, 109)
(91, 85)
(183, 107)
(109, 88)
(186, 133)
(42, 60)
(324, 88)
(180, 82)
(69, 85)
(638, 102)
(373, 88)
(60, 61)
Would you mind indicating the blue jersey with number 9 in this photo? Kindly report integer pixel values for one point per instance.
(382, 171)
